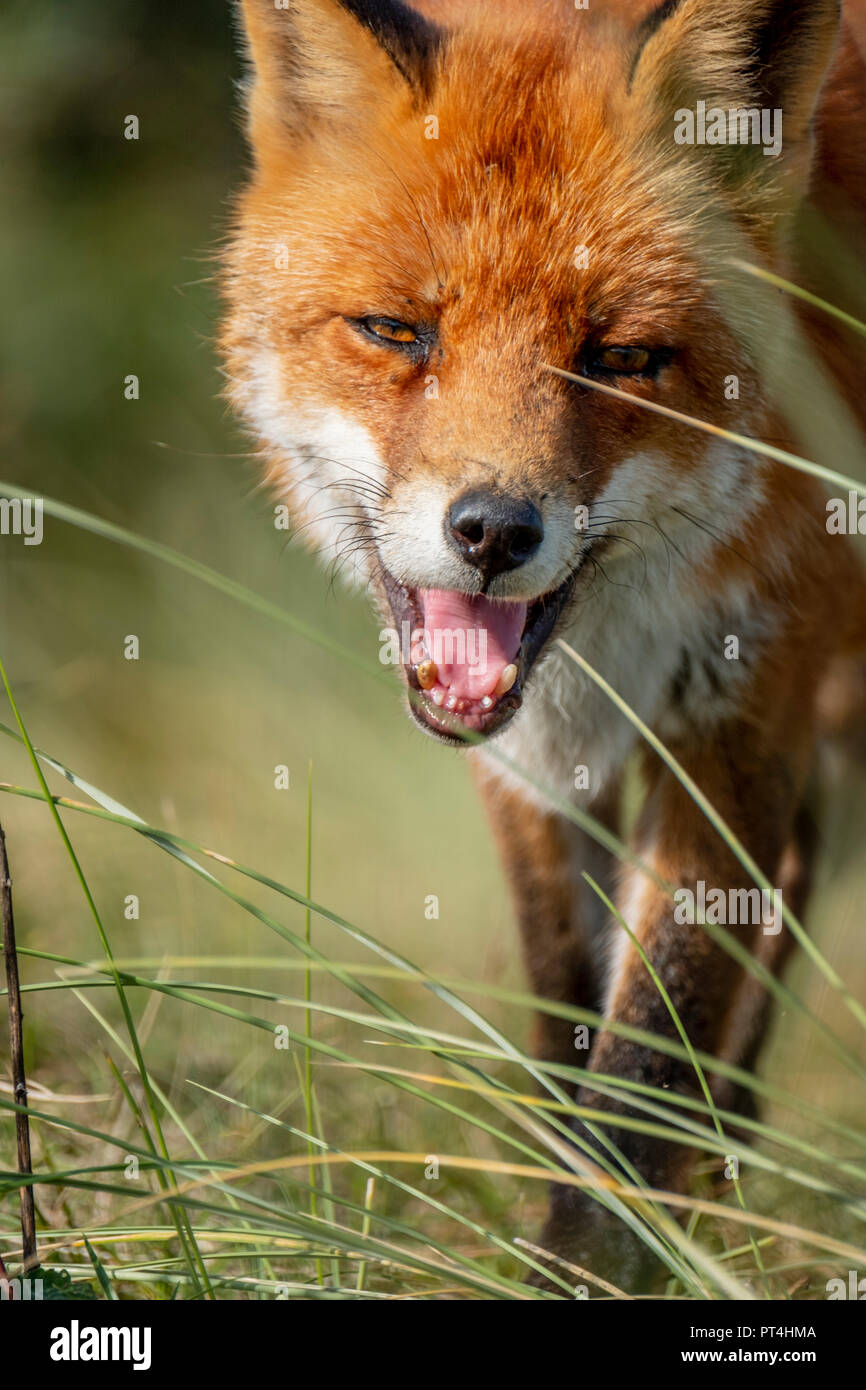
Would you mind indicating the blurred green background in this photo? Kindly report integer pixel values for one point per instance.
(106, 250)
(107, 255)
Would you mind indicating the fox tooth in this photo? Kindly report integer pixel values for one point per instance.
(427, 674)
(487, 702)
(506, 680)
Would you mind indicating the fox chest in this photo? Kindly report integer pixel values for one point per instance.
(681, 667)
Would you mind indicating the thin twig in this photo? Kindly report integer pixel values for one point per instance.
(16, 1044)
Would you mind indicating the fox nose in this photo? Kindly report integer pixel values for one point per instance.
(494, 532)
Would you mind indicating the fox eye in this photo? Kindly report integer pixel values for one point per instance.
(389, 331)
(628, 361)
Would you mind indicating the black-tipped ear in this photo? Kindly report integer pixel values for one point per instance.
(771, 54)
(410, 40)
(792, 45)
(648, 27)
(318, 62)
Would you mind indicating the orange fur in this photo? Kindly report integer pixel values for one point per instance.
(554, 134)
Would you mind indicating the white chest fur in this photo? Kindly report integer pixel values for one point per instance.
(675, 654)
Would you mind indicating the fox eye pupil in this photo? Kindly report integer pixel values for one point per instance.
(390, 330)
(627, 360)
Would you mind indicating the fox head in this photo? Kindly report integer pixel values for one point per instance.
(444, 207)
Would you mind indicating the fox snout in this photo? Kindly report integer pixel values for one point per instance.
(494, 532)
(485, 578)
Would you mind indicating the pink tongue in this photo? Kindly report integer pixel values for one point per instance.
(471, 640)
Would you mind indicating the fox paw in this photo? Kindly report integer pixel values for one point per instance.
(594, 1253)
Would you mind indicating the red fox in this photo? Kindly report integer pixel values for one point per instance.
(450, 200)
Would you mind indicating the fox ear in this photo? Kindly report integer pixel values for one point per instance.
(317, 59)
(769, 54)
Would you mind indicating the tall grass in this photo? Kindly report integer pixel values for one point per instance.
(403, 1145)
(273, 1223)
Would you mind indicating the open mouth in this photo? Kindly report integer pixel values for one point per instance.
(467, 657)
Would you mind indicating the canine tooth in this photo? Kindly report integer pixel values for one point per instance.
(487, 702)
(506, 680)
(438, 695)
(451, 702)
(427, 674)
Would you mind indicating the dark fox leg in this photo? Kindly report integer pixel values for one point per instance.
(751, 1013)
(756, 789)
(560, 920)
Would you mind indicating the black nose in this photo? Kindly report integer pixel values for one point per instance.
(494, 532)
